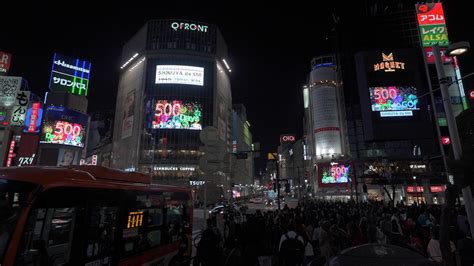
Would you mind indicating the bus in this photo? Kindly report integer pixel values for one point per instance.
(91, 215)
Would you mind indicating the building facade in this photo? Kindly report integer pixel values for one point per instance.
(174, 82)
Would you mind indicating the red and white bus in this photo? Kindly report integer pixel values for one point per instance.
(90, 215)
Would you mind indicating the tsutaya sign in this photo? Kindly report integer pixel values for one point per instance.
(188, 26)
(388, 64)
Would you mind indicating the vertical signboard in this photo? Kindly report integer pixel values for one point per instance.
(11, 153)
(27, 153)
(33, 118)
(20, 108)
(432, 24)
(5, 61)
(9, 87)
(69, 74)
(128, 111)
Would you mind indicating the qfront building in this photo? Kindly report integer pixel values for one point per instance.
(174, 81)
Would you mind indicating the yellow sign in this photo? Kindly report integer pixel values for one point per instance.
(388, 64)
(272, 156)
(135, 219)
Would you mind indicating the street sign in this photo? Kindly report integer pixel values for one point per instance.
(446, 140)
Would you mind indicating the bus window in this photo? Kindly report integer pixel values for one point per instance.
(13, 197)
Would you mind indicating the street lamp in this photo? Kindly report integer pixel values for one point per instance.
(458, 48)
(454, 49)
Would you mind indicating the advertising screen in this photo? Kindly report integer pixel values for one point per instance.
(394, 100)
(70, 74)
(334, 173)
(64, 127)
(177, 115)
(177, 74)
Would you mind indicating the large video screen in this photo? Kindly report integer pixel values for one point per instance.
(335, 173)
(394, 101)
(176, 74)
(62, 126)
(62, 132)
(177, 115)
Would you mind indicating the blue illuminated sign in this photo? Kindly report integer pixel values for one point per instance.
(71, 75)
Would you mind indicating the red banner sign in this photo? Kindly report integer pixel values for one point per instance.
(430, 14)
(5, 61)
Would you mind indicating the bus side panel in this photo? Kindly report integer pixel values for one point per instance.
(157, 256)
(10, 255)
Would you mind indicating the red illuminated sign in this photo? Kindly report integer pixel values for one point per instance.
(287, 138)
(436, 189)
(446, 140)
(471, 94)
(11, 153)
(430, 14)
(34, 117)
(5, 61)
(430, 59)
(411, 189)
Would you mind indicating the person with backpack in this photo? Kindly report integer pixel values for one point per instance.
(291, 248)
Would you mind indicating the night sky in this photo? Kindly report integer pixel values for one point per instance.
(269, 48)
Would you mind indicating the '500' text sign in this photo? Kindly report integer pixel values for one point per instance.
(176, 74)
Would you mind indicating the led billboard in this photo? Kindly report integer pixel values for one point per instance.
(334, 173)
(177, 115)
(69, 74)
(178, 74)
(64, 127)
(394, 100)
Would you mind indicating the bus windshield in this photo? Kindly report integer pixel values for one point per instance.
(13, 195)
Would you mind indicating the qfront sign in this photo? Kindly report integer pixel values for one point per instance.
(388, 64)
(188, 26)
(69, 74)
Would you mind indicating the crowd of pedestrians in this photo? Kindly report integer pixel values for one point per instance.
(316, 231)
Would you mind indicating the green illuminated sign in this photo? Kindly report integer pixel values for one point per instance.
(434, 34)
(73, 84)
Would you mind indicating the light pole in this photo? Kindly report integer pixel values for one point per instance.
(454, 49)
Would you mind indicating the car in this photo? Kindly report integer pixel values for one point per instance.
(256, 200)
(226, 208)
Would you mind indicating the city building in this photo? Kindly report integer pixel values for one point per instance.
(390, 151)
(174, 81)
(242, 169)
(325, 128)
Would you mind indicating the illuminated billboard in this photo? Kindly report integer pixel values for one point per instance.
(33, 118)
(9, 87)
(334, 173)
(177, 74)
(64, 127)
(432, 24)
(5, 62)
(394, 100)
(69, 74)
(177, 115)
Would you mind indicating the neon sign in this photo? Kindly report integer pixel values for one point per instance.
(287, 138)
(177, 115)
(394, 100)
(33, 118)
(65, 133)
(11, 153)
(432, 24)
(335, 173)
(188, 26)
(69, 74)
(388, 64)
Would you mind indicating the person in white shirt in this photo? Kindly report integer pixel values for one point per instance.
(434, 249)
